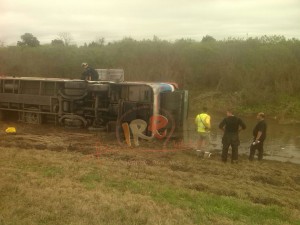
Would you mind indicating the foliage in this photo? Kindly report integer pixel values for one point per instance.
(258, 69)
(28, 40)
(57, 42)
(208, 38)
(97, 43)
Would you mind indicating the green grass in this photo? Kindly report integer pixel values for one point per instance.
(43, 187)
(90, 179)
(204, 206)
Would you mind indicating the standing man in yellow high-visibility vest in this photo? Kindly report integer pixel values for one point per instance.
(202, 122)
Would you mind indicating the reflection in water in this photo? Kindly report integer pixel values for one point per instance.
(282, 143)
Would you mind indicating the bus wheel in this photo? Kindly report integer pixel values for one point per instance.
(32, 117)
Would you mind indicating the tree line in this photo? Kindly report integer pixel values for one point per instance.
(259, 70)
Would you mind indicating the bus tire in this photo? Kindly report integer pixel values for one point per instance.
(33, 116)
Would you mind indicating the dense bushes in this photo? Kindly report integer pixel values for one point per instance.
(259, 70)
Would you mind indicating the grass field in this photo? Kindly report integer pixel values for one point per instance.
(135, 187)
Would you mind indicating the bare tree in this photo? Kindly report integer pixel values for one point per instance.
(66, 37)
(2, 43)
(99, 42)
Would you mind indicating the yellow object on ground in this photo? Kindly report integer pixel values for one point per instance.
(11, 130)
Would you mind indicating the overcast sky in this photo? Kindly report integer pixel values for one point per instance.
(113, 20)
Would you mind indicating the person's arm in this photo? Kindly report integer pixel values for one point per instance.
(242, 125)
(84, 74)
(196, 122)
(207, 121)
(222, 125)
(261, 128)
(259, 133)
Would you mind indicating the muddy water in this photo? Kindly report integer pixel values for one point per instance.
(282, 143)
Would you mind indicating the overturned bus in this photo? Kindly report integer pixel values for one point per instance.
(101, 104)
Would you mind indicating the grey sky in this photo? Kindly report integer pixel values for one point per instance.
(140, 19)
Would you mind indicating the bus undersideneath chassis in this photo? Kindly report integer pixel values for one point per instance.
(102, 104)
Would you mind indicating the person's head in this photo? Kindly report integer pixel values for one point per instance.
(204, 109)
(229, 112)
(84, 65)
(260, 116)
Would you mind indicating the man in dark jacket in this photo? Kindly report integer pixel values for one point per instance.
(231, 125)
(89, 73)
(259, 136)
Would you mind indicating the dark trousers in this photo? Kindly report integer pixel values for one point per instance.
(230, 139)
(260, 148)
